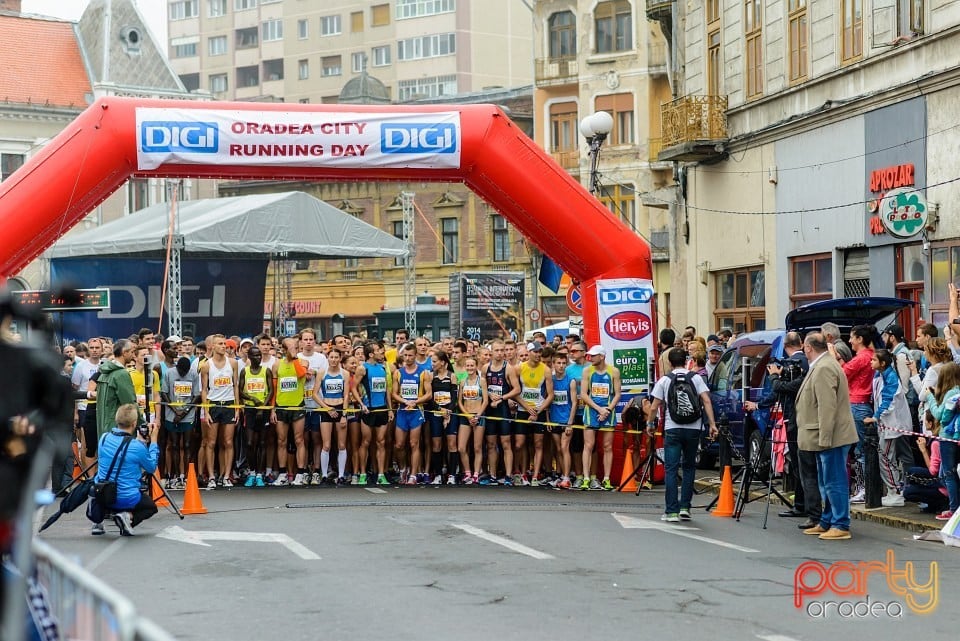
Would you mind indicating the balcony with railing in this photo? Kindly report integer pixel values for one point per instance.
(659, 9)
(555, 70)
(693, 128)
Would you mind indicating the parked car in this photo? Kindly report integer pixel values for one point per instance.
(741, 375)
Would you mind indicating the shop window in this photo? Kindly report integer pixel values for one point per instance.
(811, 279)
(740, 299)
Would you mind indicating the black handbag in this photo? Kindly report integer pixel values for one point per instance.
(105, 492)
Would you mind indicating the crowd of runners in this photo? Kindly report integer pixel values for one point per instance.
(294, 411)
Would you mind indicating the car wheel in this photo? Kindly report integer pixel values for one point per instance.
(759, 453)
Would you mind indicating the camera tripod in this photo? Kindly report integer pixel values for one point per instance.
(151, 479)
(643, 471)
(749, 472)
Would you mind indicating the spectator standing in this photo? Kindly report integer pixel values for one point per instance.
(859, 375)
(892, 416)
(943, 407)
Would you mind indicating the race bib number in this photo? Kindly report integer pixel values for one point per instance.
(333, 387)
(600, 390)
(471, 393)
(442, 398)
(378, 384)
(288, 384)
(222, 381)
(142, 400)
(409, 391)
(530, 394)
(255, 387)
(495, 390)
(183, 390)
(561, 397)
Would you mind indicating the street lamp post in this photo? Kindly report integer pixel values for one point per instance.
(595, 129)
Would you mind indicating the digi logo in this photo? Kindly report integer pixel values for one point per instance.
(416, 138)
(171, 136)
(625, 295)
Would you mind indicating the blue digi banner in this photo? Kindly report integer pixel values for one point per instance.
(218, 296)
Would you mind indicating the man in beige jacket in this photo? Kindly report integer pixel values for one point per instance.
(825, 426)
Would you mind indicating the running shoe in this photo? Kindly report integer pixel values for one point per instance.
(298, 480)
(525, 480)
(585, 484)
(411, 481)
(486, 480)
(517, 480)
(282, 480)
(212, 484)
(342, 481)
(505, 481)
(362, 479)
(355, 479)
(595, 485)
(946, 515)
(382, 480)
(315, 478)
(564, 483)
(534, 482)
(859, 497)
(685, 514)
(451, 479)
(468, 479)
(671, 518)
(250, 480)
(259, 481)
(97, 529)
(227, 482)
(437, 480)
(607, 485)
(180, 484)
(122, 519)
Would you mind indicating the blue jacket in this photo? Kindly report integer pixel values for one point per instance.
(138, 460)
(946, 412)
(891, 381)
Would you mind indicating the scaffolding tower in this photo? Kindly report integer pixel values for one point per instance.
(174, 279)
(409, 268)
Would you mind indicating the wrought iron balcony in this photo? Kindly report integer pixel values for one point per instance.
(693, 128)
(548, 69)
(658, 10)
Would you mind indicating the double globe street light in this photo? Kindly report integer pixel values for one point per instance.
(595, 128)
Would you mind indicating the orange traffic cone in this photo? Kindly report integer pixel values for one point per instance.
(192, 504)
(725, 500)
(77, 470)
(156, 491)
(628, 481)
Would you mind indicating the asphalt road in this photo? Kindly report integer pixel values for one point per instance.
(497, 564)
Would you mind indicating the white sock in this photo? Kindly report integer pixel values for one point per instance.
(324, 462)
(342, 462)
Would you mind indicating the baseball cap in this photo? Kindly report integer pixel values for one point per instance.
(231, 343)
(715, 348)
(895, 330)
(246, 340)
(174, 339)
(534, 346)
(597, 350)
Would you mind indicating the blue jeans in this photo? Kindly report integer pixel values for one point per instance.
(679, 444)
(948, 473)
(834, 487)
(860, 412)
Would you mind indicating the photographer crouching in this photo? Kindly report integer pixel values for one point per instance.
(786, 377)
(123, 455)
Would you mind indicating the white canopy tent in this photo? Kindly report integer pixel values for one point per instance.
(252, 226)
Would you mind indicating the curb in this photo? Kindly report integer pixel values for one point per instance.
(891, 517)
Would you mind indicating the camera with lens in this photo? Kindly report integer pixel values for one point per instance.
(790, 369)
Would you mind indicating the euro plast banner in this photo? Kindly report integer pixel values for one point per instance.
(626, 329)
(310, 139)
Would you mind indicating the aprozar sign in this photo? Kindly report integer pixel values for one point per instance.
(347, 139)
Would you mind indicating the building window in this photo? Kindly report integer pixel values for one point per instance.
(216, 8)
(191, 81)
(331, 66)
(741, 300)
(218, 83)
(753, 30)
(622, 203)
(138, 194)
(417, 8)
(356, 22)
(303, 29)
(358, 61)
(501, 238)
(351, 263)
(911, 274)
(303, 69)
(9, 163)
(273, 69)
(243, 5)
(246, 38)
(398, 233)
(563, 35)
(811, 279)
(944, 269)
(713, 47)
(248, 76)
(910, 17)
(272, 30)
(330, 25)
(184, 49)
(450, 229)
(184, 9)
(440, 44)
(620, 106)
(432, 87)
(379, 15)
(851, 16)
(301, 265)
(217, 46)
(614, 26)
(381, 56)
(797, 10)
(564, 134)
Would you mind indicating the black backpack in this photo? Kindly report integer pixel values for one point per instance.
(683, 401)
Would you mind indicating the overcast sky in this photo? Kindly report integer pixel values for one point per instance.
(154, 12)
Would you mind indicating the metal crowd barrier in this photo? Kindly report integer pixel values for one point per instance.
(84, 607)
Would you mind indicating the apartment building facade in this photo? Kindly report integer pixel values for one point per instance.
(606, 56)
(801, 131)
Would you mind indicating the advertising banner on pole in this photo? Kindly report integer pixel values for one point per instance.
(263, 138)
(218, 296)
(626, 331)
(491, 305)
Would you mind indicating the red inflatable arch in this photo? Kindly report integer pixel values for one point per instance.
(116, 138)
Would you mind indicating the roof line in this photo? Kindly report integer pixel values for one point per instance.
(84, 56)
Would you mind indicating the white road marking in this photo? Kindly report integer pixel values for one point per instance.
(196, 537)
(774, 637)
(375, 490)
(499, 540)
(631, 523)
(107, 552)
